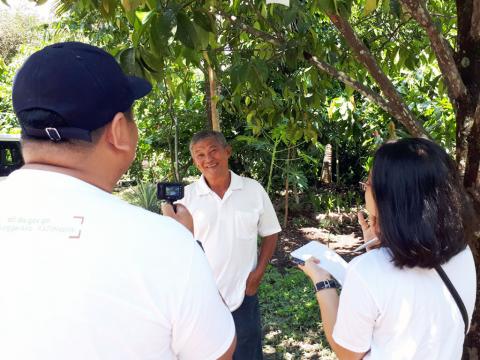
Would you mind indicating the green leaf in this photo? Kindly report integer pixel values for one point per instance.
(396, 8)
(132, 19)
(235, 5)
(151, 62)
(152, 4)
(186, 32)
(264, 11)
(5, 2)
(386, 5)
(204, 19)
(164, 23)
(191, 56)
(327, 6)
(253, 77)
(250, 115)
(130, 5)
(346, 8)
(289, 16)
(203, 37)
(108, 7)
(291, 57)
(145, 16)
(127, 61)
(160, 32)
(370, 6)
(187, 92)
(235, 80)
(349, 90)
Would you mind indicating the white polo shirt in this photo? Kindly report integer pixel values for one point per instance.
(85, 275)
(228, 230)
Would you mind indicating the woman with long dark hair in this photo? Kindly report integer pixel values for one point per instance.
(412, 296)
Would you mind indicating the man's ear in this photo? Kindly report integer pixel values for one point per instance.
(118, 133)
(228, 149)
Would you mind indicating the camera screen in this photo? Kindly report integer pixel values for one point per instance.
(169, 191)
(172, 191)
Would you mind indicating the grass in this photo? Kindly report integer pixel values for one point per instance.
(291, 317)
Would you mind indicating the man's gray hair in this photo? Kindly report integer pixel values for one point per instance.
(207, 134)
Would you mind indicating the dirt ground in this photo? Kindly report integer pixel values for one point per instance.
(343, 234)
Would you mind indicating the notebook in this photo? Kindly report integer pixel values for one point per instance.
(329, 259)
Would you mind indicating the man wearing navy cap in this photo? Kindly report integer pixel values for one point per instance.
(83, 274)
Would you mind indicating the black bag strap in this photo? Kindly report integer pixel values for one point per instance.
(456, 297)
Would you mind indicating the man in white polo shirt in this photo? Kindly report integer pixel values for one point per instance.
(229, 212)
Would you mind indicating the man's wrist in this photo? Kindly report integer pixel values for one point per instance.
(258, 274)
(260, 269)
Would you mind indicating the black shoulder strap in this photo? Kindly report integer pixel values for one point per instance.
(455, 295)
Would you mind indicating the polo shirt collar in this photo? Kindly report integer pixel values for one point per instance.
(236, 183)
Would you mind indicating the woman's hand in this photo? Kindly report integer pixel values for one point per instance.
(313, 271)
(369, 230)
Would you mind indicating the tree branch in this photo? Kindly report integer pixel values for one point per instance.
(453, 80)
(475, 23)
(392, 34)
(397, 107)
(347, 80)
(251, 30)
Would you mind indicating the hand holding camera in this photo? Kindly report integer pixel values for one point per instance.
(182, 215)
(171, 192)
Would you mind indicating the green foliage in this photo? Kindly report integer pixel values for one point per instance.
(144, 195)
(289, 300)
(7, 117)
(268, 93)
(20, 34)
(335, 200)
(16, 29)
(290, 312)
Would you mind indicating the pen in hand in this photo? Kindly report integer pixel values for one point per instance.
(367, 244)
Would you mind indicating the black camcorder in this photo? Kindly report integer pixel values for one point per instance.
(169, 191)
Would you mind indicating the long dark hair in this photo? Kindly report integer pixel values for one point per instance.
(421, 204)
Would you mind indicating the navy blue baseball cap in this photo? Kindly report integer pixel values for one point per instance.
(81, 83)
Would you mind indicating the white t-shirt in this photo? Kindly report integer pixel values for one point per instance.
(228, 230)
(84, 275)
(404, 314)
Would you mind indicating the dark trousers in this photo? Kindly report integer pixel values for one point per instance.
(249, 330)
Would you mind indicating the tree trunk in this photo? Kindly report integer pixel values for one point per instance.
(171, 149)
(177, 130)
(173, 117)
(337, 165)
(287, 168)
(272, 163)
(296, 196)
(211, 95)
(326, 176)
(467, 58)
